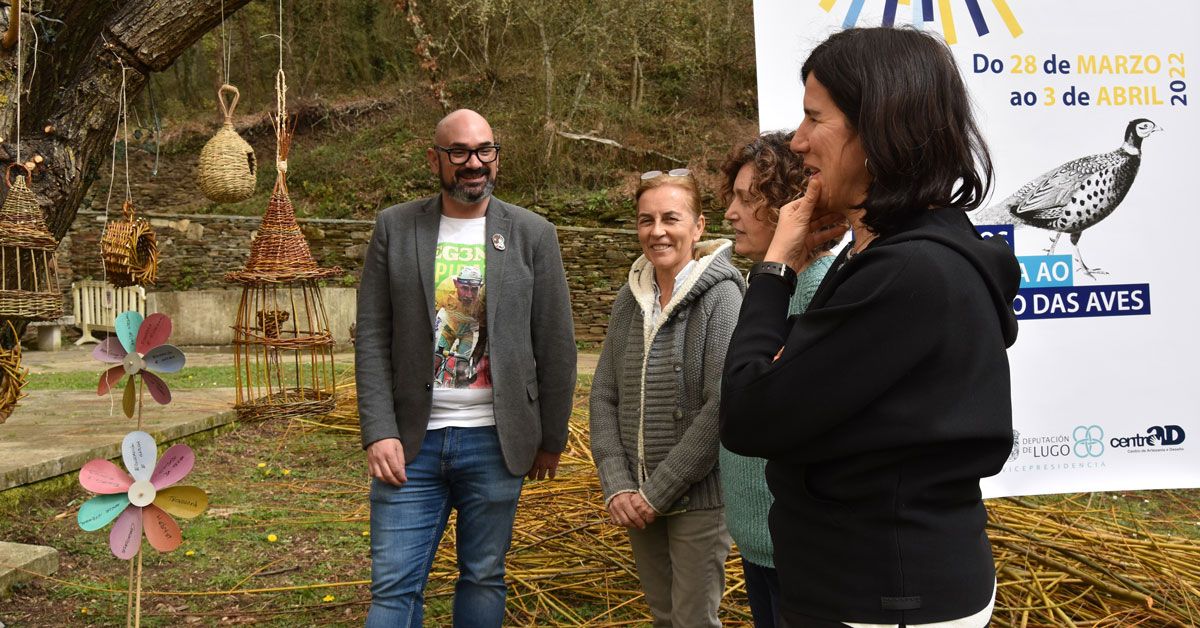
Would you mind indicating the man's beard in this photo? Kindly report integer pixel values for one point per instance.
(459, 192)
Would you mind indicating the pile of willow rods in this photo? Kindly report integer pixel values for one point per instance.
(1074, 560)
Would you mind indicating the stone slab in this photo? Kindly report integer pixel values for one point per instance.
(56, 432)
(17, 559)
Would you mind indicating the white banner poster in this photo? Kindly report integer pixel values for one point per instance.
(1088, 110)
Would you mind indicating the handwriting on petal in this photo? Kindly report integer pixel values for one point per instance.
(161, 530)
(182, 501)
(126, 537)
(154, 331)
(127, 325)
(110, 351)
(165, 359)
(138, 450)
(96, 512)
(175, 463)
(158, 388)
(103, 477)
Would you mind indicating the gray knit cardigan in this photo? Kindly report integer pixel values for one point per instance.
(656, 391)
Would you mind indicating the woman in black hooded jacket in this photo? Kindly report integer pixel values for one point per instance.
(883, 405)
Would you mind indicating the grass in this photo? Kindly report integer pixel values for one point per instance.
(192, 377)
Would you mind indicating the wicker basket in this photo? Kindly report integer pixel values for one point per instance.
(130, 250)
(28, 269)
(228, 170)
(12, 376)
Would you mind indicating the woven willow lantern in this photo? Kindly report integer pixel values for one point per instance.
(130, 250)
(28, 269)
(282, 343)
(228, 170)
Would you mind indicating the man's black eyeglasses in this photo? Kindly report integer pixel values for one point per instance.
(459, 156)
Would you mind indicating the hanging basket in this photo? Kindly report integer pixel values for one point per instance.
(12, 376)
(228, 170)
(28, 269)
(130, 250)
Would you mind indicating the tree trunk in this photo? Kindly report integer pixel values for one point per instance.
(70, 113)
(70, 107)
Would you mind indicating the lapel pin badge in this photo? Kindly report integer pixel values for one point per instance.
(498, 241)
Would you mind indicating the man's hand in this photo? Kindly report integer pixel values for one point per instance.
(631, 510)
(385, 461)
(545, 465)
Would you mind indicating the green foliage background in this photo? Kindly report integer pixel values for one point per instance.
(667, 76)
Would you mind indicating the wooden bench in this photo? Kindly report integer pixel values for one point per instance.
(97, 304)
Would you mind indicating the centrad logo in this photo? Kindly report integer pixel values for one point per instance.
(1089, 441)
(1016, 447)
(1166, 435)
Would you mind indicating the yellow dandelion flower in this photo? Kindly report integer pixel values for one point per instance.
(84, 611)
(190, 553)
(286, 472)
(271, 538)
(262, 465)
(328, 598)
(366, 533)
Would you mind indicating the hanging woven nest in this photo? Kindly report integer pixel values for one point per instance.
(12, 376)
(130, 250)
(28, 269)
(228, 171)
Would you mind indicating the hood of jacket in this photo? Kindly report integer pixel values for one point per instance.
(713, 264)
(992, 257)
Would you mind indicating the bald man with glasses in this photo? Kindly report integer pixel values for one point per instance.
(458, 419)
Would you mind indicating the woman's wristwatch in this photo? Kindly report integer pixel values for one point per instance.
(775, 269)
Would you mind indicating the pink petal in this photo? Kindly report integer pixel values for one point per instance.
(126, 537)
(103, 477)
(110, 351)
(154, 331)
(165, 359)
(175, 463)
(109, 378)
(161, 530)
(158, 388)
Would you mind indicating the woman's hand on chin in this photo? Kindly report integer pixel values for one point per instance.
(802, 234)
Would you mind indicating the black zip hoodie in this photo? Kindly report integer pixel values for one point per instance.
(890, 401)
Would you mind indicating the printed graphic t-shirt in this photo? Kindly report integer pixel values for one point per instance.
(462, 379)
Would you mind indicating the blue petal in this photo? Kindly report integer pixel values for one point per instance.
(100, 510)
(127, 325)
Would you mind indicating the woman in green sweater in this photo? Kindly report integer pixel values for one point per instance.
(760, 176)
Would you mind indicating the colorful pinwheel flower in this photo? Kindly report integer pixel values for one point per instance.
(144, 501)
(138, 348)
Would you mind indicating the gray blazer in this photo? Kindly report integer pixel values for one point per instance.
(532, 336)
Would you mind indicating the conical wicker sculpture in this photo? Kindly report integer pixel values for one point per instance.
(129, 249)
(228, 171)
(283, 347)
(28, 269)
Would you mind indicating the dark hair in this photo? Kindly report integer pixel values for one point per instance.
(903, 94)
(778, 173)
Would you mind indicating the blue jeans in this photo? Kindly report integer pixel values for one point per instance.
(460, 468)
